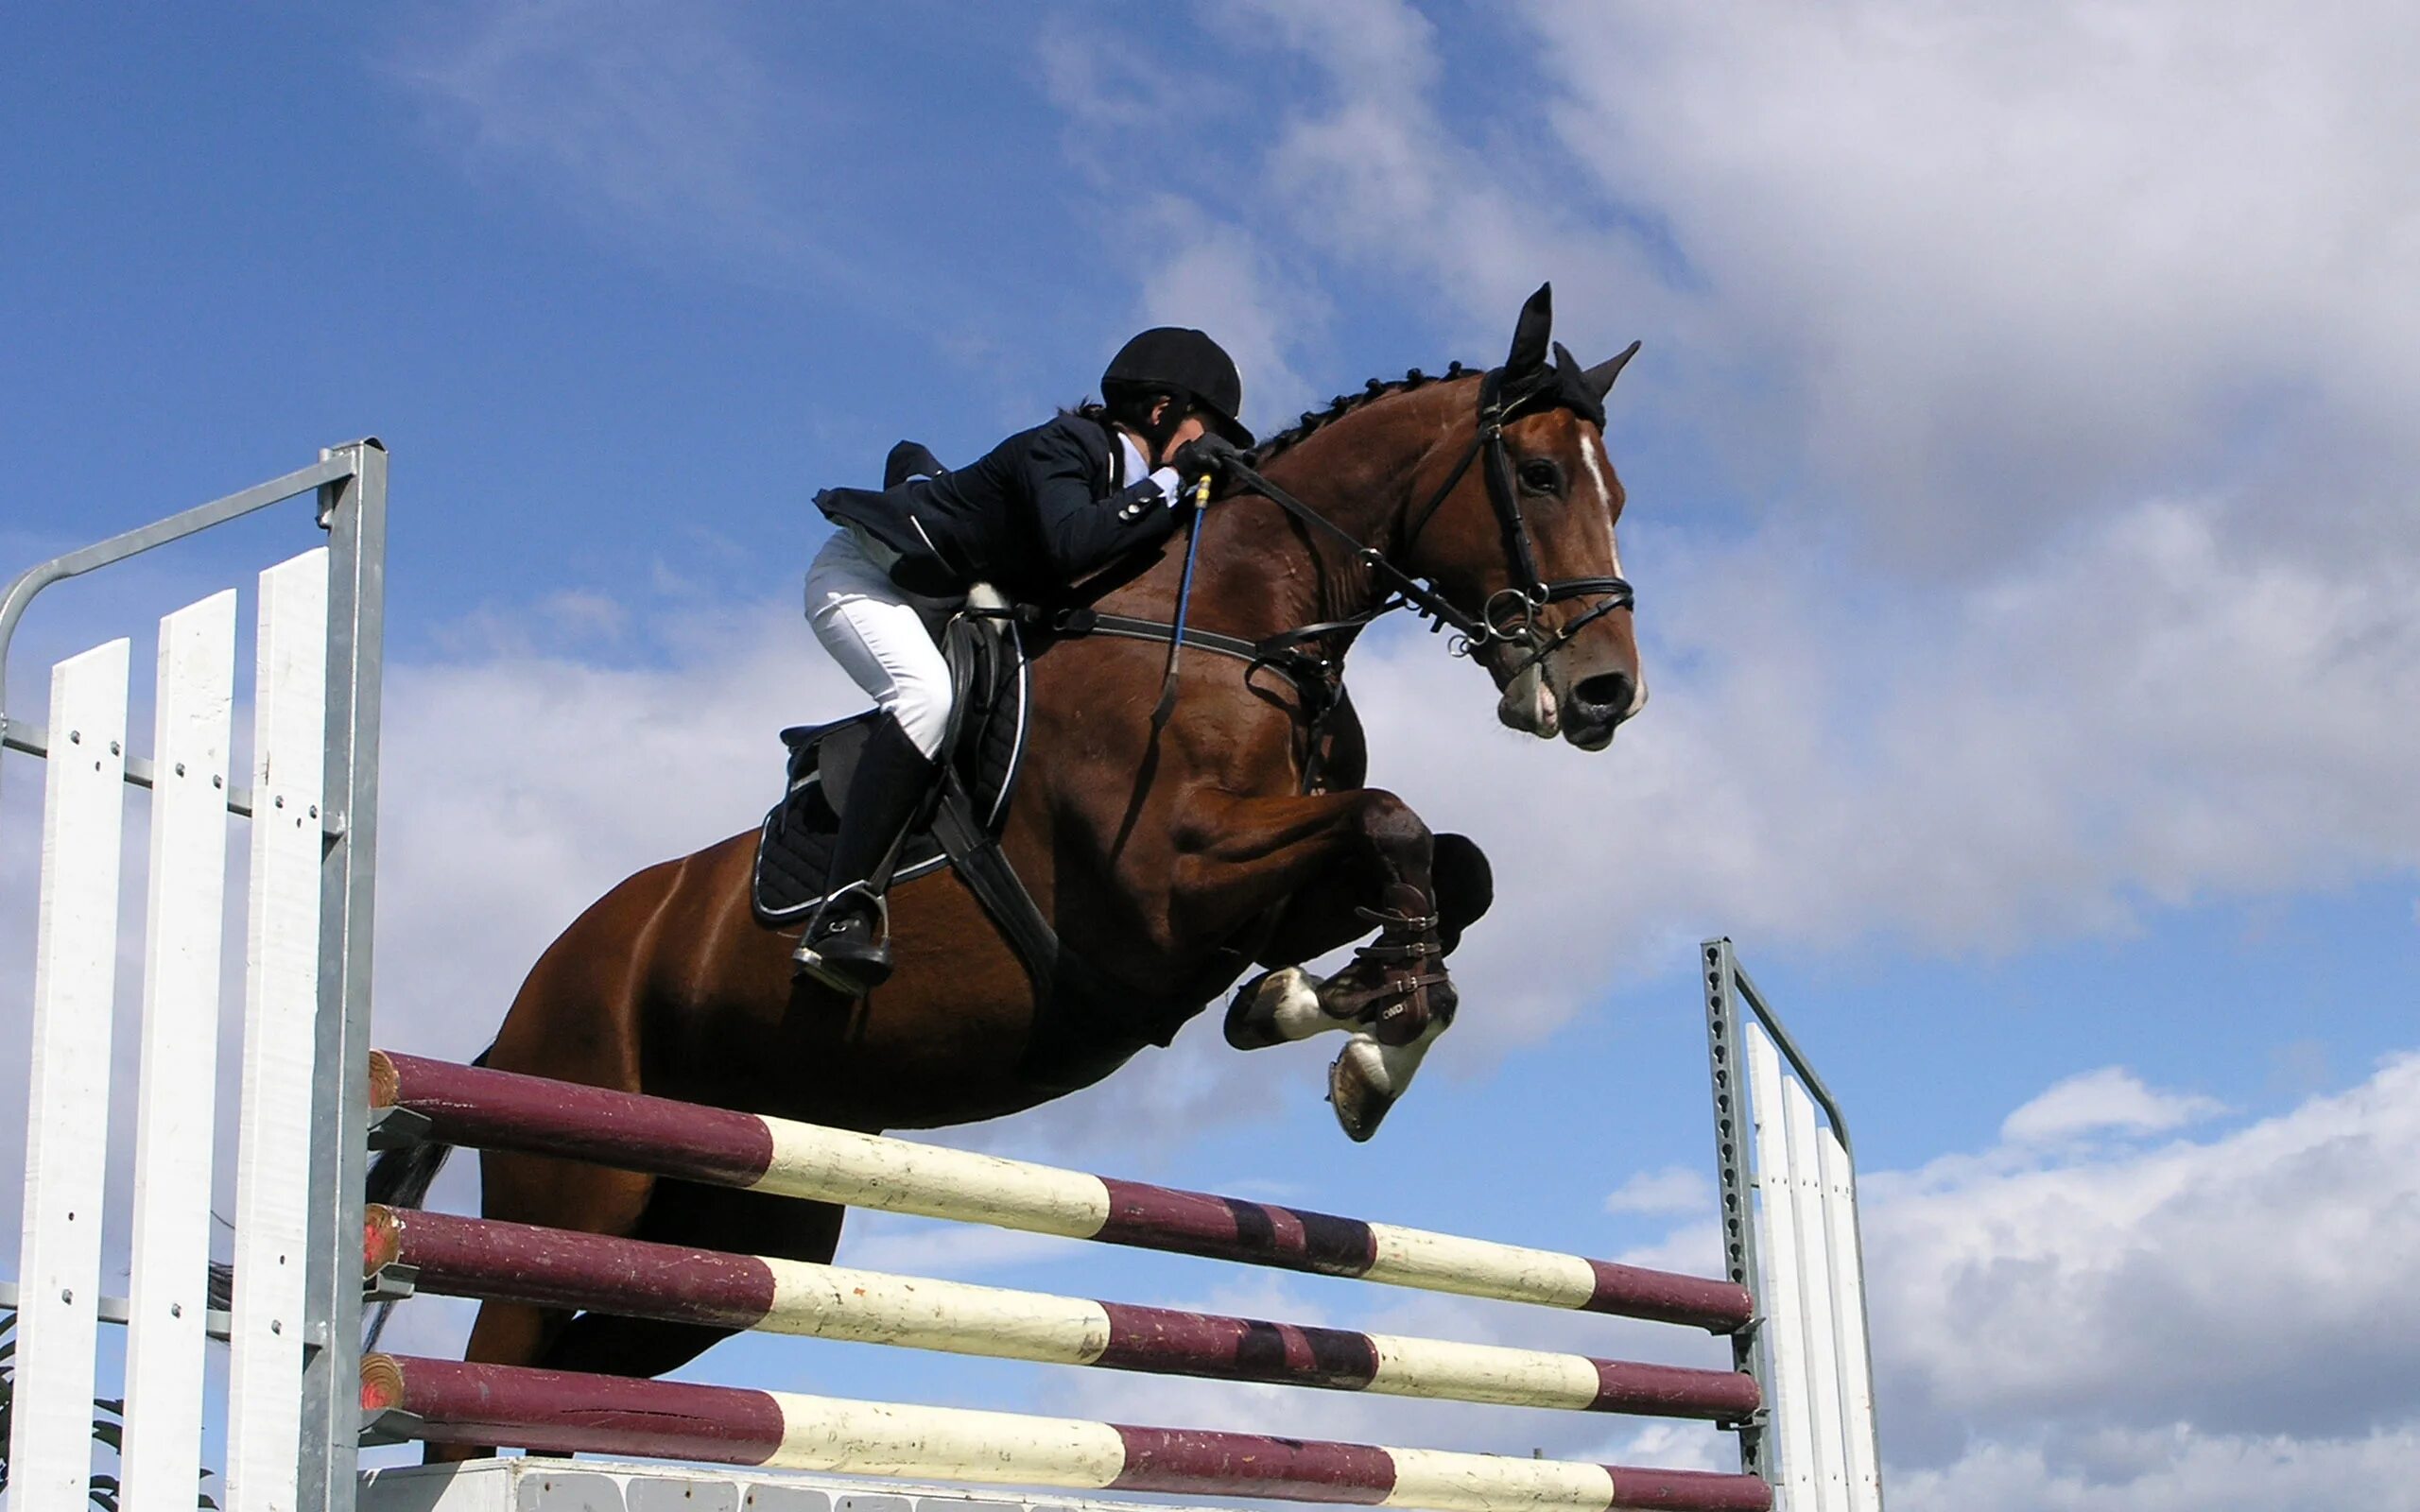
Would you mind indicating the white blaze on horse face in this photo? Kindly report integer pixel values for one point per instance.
(1589, 449)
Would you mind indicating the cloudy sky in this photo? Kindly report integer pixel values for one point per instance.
(2021, 464)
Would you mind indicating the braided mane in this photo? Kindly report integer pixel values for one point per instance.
(1343, 405)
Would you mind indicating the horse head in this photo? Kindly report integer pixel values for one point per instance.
(1522, 524)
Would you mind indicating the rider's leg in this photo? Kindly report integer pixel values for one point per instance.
(882, 642)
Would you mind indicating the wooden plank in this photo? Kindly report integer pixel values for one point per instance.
(480, 1108)
(168, 1297)
(673, 1284)
(59, 1263)
(1848, 1325)
(559, 1412)
(1815, 1292)
(281, 1008)
(1783, 1333)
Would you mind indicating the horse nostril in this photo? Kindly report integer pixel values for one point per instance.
(1607, 693)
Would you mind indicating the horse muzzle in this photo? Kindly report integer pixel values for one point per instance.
(1596, 706)
(1585, 713)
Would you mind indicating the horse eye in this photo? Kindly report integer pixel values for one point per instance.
(1541, 477)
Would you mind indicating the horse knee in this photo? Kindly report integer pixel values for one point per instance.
(1465, 884)
(1400, 836)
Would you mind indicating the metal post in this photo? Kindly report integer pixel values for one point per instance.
(1729, 1079)
(354, 510)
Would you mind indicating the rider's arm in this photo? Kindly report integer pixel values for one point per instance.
(1081, 529)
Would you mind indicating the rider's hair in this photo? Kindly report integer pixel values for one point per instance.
(1131, 405)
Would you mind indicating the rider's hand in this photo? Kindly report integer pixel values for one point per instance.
(1208, 456)
(1171, 485)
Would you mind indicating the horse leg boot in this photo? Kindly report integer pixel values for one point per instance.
(1288, 1003)
(847, 948)
(1369, 859)
(1399, 995)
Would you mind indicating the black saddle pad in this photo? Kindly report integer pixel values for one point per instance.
(986, 742)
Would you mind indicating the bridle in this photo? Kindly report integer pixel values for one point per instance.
(1509, 615)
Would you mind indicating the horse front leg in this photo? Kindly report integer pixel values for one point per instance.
(1290, 1003)
(1338, 864)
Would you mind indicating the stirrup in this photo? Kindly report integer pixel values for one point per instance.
(855, 972)
(881, 902)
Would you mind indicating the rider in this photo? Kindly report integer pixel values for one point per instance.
(1043, 508)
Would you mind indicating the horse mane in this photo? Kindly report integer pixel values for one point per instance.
(1343, 405)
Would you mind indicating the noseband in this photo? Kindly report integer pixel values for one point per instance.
(1511, 614)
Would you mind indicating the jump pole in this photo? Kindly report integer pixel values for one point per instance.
(557, 1411)
(628, 1277)
(503, 1110)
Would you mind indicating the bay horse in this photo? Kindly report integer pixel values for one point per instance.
(1175, 852)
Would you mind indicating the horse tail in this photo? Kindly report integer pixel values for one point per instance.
(401, 1177)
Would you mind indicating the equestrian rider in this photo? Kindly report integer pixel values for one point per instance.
(1043, 509)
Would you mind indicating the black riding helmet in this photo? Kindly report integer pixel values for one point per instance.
(1186, 361)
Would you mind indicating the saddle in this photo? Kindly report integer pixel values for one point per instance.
(981, 753)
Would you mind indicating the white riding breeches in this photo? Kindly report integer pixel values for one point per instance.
(879, 639)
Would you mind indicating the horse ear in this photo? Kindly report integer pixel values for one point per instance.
(1599, 379)
(1530, 336)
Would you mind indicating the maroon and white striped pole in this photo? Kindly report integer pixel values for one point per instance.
(552, 1267)
(494, 1109)
(554, 1412)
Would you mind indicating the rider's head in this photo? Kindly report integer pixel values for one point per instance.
(1170, 385)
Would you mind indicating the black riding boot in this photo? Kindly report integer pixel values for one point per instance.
(848, 947)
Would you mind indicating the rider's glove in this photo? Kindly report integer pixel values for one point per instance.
(1210, 456)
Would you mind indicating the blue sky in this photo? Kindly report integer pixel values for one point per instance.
(2019, 466)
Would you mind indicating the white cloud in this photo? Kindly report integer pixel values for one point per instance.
(2110, 1100)
(1382, 168)
(2174, 1469)
(1674, 1189)
(2025, 259)
(520, 783)
(2251, 1284)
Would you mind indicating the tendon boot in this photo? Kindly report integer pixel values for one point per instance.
(847, 948)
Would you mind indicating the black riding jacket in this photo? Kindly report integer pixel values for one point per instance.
(1040, 511)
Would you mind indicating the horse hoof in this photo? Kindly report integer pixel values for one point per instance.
(1360, 1088)
(1275, 1007)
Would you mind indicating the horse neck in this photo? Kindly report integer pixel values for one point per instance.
(1359, 471)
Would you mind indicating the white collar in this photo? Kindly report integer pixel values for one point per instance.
(1137, 466)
